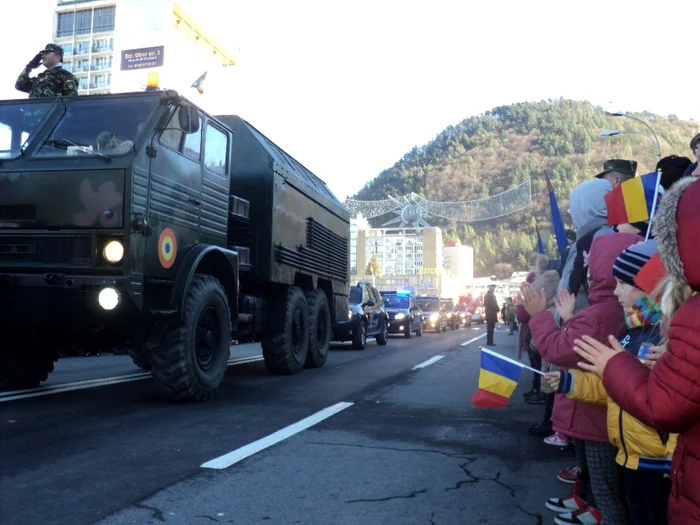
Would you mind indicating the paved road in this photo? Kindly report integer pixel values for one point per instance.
(406, 448)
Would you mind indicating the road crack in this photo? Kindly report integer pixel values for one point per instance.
(471, 477)
(538, 516)
(432, 519)
(396, 449)
(208, 517)
(157, 513)
(388, 498)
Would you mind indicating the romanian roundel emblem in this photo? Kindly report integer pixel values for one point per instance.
(167, 248)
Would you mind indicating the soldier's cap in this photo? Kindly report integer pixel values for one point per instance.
(626, 168)
(53, 47)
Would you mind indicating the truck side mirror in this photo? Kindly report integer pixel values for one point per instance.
(188, 119)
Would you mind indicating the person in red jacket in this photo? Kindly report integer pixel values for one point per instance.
(667, 397)
(587, 423)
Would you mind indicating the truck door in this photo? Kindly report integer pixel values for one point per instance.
(215, 186)
(175, 196)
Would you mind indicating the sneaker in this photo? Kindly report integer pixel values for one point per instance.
(557, 439)
(585, 516)
(571, 503)
(569, 475)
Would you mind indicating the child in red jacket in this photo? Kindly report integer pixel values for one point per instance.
(586, 423)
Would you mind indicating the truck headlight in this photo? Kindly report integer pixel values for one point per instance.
(349, 314)
(449, 314)
(400, 316)
(434, 317)
(113, 252)
(108, 298)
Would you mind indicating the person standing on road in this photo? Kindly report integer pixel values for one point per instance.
(53, 82)
(491, 310)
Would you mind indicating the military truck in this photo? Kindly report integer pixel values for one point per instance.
(140, 221)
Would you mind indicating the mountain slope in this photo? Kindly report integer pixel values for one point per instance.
(487, 154)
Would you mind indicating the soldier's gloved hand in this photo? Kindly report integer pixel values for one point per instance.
(35, 62)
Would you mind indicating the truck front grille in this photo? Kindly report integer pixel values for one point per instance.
(45, 250)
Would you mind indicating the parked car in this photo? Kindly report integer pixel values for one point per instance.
(434, 315)
(366, 318)
(448, 307)
(405, 316)
(464, 315)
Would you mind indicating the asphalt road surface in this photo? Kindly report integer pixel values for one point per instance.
(381, 436)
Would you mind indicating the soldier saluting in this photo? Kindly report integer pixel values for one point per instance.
(54, 81)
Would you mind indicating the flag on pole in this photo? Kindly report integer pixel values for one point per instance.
(498, 378)
(632, 201)
(557, 222)
(199, 83)
(540, 245)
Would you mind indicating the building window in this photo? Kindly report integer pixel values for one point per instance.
(83, 22)
(216, 151)
(104, 19)
(65, 24)
(83, 83)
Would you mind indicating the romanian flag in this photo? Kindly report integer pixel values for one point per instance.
(498, 378)
(632, 200)
(199, 83)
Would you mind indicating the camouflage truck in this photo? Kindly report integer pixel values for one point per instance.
(140, 221)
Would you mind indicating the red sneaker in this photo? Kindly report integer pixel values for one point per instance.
(569, 475)
(585, 516)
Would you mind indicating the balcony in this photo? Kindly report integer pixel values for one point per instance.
(102, 49)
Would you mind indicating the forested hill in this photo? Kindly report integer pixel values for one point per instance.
(487, 154)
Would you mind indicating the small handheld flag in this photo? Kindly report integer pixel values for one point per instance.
(199, 83)
(498, 378)
(632, 201)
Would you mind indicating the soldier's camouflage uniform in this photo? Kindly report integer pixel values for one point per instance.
(54, 82)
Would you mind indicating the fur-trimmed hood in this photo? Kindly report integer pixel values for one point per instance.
(676, 227)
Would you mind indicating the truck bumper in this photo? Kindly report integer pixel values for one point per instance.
(66, 301)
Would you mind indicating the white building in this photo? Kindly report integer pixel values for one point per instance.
(112, 45)
(458, 261)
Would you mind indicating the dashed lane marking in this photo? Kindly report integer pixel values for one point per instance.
(240, 454)
(428, 362)
(466, 343)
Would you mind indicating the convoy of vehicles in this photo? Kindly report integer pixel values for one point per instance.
(435, 316)
(367, 317)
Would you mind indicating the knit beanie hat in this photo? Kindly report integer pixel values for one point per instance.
(630, 261)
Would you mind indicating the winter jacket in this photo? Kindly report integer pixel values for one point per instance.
(667, 397)
(491, 307)
(602, 317)
(639, 447)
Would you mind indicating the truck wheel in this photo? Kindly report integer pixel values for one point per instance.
(141, 358)
(319, 329)
(409, 330)
(285, 352)
(383, 335)
(25, 365)
(192, 361)
(419, 332)
(359, 339)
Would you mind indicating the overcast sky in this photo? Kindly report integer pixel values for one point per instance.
(348, 88)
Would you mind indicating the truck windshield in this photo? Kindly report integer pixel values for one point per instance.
(107, 127)
(17, 123)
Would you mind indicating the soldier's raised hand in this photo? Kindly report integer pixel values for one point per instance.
(35, 62)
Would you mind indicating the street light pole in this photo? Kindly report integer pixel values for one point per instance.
(656, 139)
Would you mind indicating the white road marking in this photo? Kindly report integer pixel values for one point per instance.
(94, 383)
(240, 454)
(428, 362)
(465, 343)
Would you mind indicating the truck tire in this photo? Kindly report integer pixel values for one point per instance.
(409, 330)
(25, 365)
(285, 352)
(141, 358)
(359, 339)
(319, 329)
(419, 332)
(383, 335)
(192, 361)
